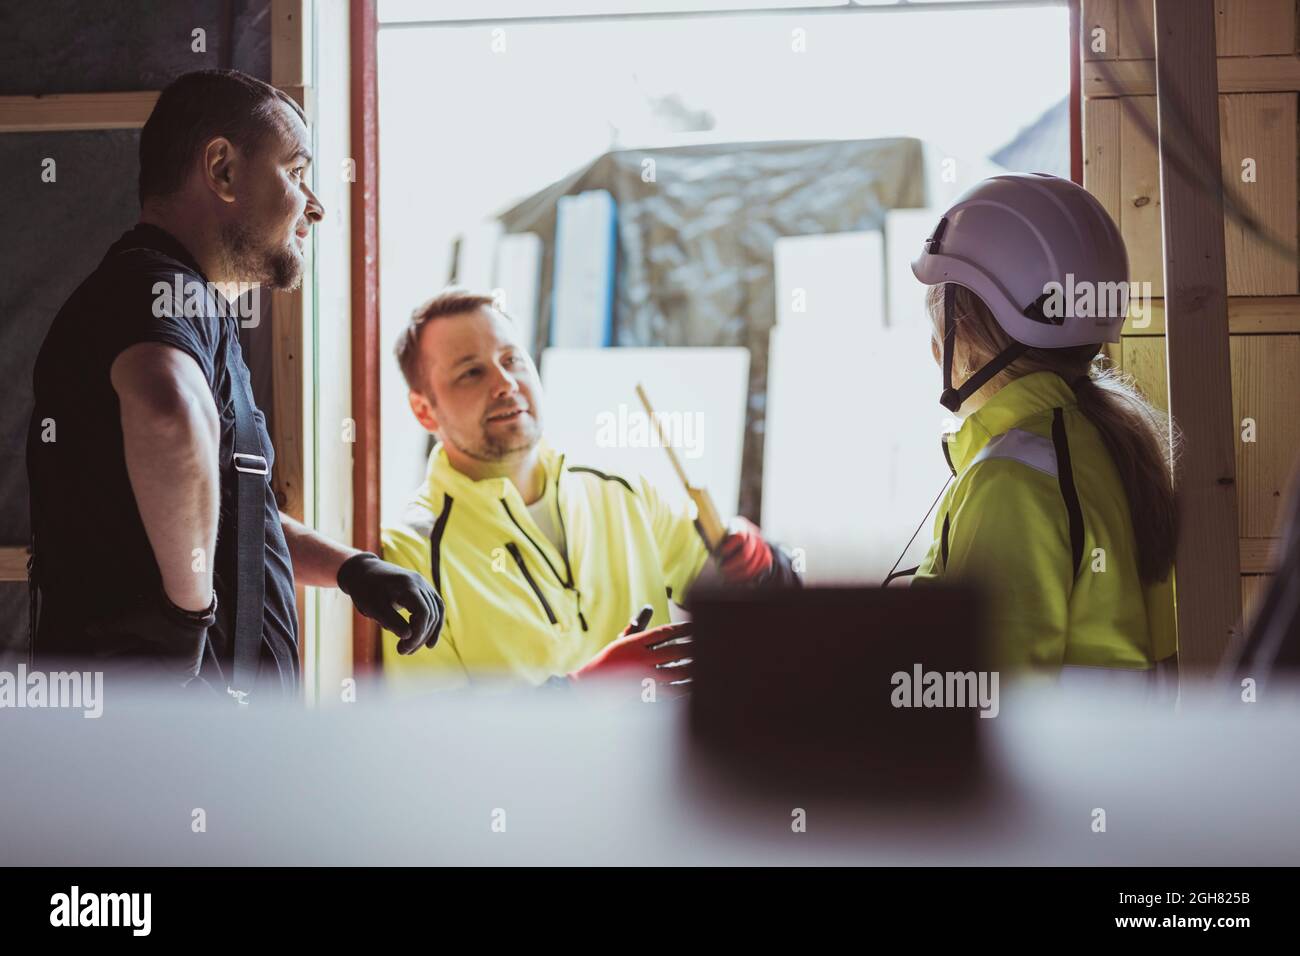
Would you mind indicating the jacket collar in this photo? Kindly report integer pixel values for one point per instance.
(441, 477)
(1020, 399)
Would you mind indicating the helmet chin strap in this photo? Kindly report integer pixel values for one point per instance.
(952, 398)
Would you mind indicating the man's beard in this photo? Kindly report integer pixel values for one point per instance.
(494, 449)
(487, 448)
(251, 262)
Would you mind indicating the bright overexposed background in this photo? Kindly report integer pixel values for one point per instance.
(466, 131)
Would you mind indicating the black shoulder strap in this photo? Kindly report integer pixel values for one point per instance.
(1065, 477)
(251, 471)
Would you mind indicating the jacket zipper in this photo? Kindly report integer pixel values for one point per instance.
(566, 584)
(519, 560)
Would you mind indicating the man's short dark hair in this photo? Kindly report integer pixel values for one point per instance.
(192, 110)
(450, 301)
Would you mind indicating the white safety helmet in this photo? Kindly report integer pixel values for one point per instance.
(1044, 256)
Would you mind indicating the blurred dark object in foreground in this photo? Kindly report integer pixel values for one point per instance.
(834, 687)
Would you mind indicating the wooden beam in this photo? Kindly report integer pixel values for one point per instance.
(331, 425)
(1076, 95)
(1207, 566)
(366, 347)
(290, 45)
(13, 564)
(1247, 315)
(1237, 74)
(1259, 555)
(75, 111)
(290, 60)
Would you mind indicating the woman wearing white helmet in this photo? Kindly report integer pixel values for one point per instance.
(1063, 501)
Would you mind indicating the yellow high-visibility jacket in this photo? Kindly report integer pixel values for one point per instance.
(517, 608)
(1006, 522)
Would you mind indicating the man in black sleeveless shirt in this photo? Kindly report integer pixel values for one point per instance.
(130, 447)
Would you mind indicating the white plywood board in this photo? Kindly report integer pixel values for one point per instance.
(518, 279)
(852, 456)
(476, 259)
(591, 413)
(835, 279)
(584, 270)
(905, 232)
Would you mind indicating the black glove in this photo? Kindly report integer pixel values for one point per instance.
(375, 586)
(156, 639)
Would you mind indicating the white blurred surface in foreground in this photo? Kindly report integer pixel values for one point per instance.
(591, 778)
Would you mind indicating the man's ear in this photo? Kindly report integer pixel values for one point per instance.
(219, 161)
(423, 410)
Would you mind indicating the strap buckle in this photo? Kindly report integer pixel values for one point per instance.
(254, 464)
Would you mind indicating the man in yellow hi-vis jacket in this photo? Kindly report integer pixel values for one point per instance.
(540, 561)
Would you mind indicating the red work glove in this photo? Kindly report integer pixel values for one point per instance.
(743, 556)
(640, 654)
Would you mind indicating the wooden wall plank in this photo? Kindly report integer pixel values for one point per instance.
(1237, 74)
(1254, 27)
(1253, 587)
(1139, 208)
(1265, 373)
(1101, 153)
(1266, 390)
(1242, 27)
(1247, 315)
(1101, 165)
(1099, 15)
(75, 111)
(1260, 128)
(1135, 20)
(1144, 360)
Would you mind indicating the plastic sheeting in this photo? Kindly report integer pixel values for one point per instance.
(696, 232)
